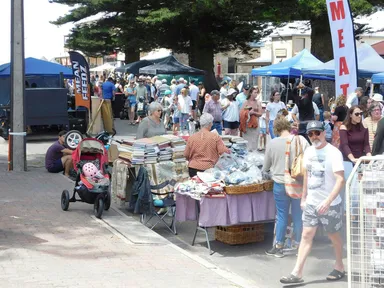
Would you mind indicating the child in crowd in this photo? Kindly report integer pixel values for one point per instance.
(263, 130)
(176, 115)
(328, 126)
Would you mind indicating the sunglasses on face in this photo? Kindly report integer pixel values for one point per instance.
(358, 114)
(311, 133)
(159, 110)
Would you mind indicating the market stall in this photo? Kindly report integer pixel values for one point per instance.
(234, 196)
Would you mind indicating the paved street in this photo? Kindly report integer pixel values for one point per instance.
(42, 241)
(43, 246)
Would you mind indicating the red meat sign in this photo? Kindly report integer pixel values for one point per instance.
(344, 46)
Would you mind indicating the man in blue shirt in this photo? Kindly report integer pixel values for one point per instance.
(108, 89)
(240, 99)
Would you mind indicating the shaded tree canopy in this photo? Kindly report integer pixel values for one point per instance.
(199, 28)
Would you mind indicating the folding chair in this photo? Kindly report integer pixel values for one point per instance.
(168, 203)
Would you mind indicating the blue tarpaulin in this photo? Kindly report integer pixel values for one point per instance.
(378, 78)
(39, 67)
(369, 63)
(291, 67)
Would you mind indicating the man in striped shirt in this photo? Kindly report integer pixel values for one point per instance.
(213, 107)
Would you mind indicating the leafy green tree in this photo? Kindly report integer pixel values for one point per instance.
(116, 29)
(199, 28)
(202, 28)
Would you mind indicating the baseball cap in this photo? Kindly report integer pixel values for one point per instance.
(224, 82)
(231, 92)
(164, 81)
(315, 125)
(247, 87)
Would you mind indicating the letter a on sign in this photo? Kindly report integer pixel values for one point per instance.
(344, 46)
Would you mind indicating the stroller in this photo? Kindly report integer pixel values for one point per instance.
(90, 161)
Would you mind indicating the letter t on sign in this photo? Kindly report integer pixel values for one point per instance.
(344, 87)
(341, 38)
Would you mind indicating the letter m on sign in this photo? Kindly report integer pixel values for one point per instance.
(337, 10)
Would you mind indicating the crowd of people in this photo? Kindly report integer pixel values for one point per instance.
(320, 144)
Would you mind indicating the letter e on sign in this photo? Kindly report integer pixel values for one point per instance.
(343, 67)
(337, 10)
(341, 38)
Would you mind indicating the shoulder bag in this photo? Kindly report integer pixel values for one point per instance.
(293, 187)
(297, 169)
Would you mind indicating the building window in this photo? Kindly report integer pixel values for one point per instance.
(231, 65)
(298, 45)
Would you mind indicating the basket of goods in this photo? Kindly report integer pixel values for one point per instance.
(268, 185)
(240, 234)
(244, 189)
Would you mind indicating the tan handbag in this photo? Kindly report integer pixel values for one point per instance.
(297, 168)
(293, 187)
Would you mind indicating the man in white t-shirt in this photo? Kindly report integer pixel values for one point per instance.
(321, 202)
(353, 98)
(193, 93)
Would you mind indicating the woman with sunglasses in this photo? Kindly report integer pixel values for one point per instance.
(354, 140)
(152, 125)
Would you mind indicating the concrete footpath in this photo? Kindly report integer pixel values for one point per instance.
(43, 246)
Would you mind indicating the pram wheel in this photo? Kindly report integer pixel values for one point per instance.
(65, 200)
(98, 207)
(72, 139)
(107, 201)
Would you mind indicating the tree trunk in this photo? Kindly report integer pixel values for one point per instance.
(131, 55)
(321, 39)
(201, 57)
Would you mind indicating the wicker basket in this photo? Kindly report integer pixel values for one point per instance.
(240, 234)
(244, 189)
(268, 185)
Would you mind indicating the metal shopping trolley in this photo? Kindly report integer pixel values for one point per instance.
(365, 223)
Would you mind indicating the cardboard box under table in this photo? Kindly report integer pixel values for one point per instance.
(230, 210)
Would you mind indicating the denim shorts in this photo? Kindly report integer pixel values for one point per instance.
(263, 131)
(176, 120)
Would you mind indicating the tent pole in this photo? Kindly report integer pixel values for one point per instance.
(301, 80)
(286, 91)
(372, 87)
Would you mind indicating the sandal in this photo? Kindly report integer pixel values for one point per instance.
(335, 275)
(291, 279)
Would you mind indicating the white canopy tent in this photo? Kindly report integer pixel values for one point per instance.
(102, 68)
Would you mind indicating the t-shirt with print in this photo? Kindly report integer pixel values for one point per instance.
(274, 109)
(321, 165)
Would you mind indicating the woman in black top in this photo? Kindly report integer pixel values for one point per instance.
(338, 117)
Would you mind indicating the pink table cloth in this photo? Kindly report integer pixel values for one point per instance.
(231, 210)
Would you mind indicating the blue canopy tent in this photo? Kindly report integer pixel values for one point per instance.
(369, 63)
(43, 73)
(38, 67)
(378, 78)
(291, 67)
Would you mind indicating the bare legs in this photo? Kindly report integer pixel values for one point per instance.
(306, 246)
(67, 164)
(132, 115)
(338, 248)
(304, 249)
